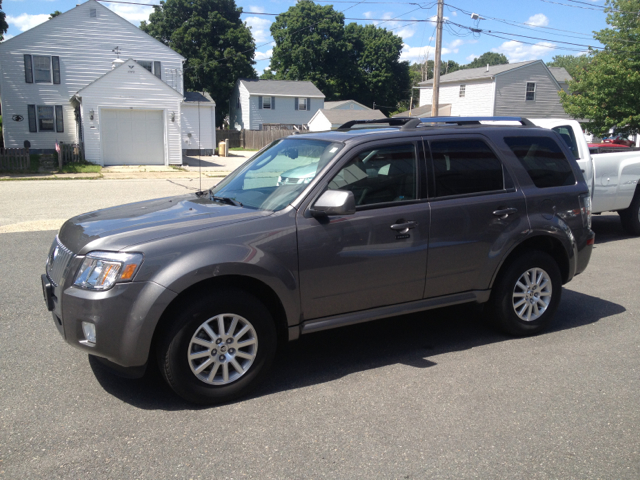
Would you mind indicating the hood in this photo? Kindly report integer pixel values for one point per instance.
(119, 227)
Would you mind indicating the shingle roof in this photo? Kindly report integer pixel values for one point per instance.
(282, 88)
(477, 73)
(202, 97)
(560, 73)
(444, 110)
(344, 116)
(336, 104)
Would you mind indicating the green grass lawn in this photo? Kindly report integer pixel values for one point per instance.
(81, 168)
(239, 149)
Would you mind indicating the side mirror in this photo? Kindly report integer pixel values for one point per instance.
(334, 202)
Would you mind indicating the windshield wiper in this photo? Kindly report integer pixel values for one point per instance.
(227, 200)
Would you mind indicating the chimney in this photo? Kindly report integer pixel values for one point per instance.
(116, 63)
(487, 67)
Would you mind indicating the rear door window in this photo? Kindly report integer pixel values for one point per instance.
(462, 167)
(566, 132)
(543, 159)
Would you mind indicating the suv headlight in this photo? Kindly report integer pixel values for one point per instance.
(102, 270)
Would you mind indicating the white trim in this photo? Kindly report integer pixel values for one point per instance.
(282, 95)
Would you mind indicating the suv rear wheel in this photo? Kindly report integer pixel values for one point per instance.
(526, 294)
(630, 217)
(219, 347)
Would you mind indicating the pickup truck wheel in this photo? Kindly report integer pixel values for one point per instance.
(630, 217)
(526, 294)
(218, 348)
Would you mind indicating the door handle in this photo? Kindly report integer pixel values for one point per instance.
(403, 227)
(505, 212)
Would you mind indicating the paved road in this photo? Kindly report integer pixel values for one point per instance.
(434, 395)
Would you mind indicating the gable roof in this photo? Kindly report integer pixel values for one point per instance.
(131, 62)
(478, 73)
(91, 4)
(444, 110)
(560, 74)
(202, 97)
(338, 103)
(343, 116)
(281, 88)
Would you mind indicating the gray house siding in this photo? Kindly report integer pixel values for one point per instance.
(285, 112)
(510, 93)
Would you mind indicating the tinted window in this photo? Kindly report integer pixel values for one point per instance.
(543, 159)
(465, 166)
(569, 138)
(380, 175)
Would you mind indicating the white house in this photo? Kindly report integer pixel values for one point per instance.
(330, 119)
(198, 124)
(90, 76)
(345, 105)
(265, 104)
(526, 89)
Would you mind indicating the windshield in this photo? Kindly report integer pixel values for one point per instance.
(274, 178)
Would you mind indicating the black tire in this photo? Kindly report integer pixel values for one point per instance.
(630, 217)
(175, 343)
(502, 305)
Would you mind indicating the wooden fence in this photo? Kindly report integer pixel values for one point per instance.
(251, 139)
(234, 136)
(70, 153)
(14, 159)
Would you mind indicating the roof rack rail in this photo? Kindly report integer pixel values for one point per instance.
(409, 123)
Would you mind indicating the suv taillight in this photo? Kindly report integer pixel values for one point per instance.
(585, 209)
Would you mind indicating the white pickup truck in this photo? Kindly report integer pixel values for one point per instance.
(613, 178)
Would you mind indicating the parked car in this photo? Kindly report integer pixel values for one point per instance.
(379, 222)
(613, 177)
(607, 148)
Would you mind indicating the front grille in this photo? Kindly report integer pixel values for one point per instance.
(57, 261)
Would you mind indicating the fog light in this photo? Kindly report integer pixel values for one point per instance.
(89, 330)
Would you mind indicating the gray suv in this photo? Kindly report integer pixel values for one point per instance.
(322, 230)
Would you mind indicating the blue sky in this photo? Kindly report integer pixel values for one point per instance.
(550, 22)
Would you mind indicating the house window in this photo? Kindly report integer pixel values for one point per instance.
(153, 67)
(41, 69)
(302, 104)
(531, 91)
(45, 118)
(266, 103)
(46, 121)
(463, 89)
(238, 101)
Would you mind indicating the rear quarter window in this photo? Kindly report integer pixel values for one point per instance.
(544, 161)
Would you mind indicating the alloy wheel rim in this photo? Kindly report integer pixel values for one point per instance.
(532, 294)
(222, 349)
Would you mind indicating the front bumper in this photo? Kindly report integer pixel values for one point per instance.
(125, 318)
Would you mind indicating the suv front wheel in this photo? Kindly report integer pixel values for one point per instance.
(219, 347)
(526, 294)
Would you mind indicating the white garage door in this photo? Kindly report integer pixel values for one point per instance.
(132, 137)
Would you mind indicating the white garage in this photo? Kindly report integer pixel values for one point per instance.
(132, 137)
(130, 117)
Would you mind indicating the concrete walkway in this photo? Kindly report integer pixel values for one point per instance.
(192, 167)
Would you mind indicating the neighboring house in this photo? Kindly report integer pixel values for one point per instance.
(525, 89)
(562, 77)
(62, 81)
(198, 124)
(345, 105)
(425, 111)
(266, 104)
(330, 119)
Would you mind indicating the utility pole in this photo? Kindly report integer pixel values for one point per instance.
(436, 63)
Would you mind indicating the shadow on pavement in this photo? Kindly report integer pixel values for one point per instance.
(608, 228)
(332, 354)
(203, 162)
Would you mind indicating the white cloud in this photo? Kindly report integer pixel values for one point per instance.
(417, 54)
(453, 46)
(519, 52)
(256, 9)
(24, 21)
(538, 20)
(263, 55)
(368, 14)
(405, 32)
(133, 13)
(471, 57)
(259, 28)
(454, 13)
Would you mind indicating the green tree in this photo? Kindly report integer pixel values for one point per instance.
(55, 14)
(4, 26)
(490, 58)
(311, 45)
(267, 75)
(571, 63)
(606, 91)
(218, 46)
